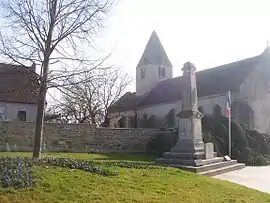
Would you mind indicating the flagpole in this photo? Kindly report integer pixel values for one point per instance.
(230, 129)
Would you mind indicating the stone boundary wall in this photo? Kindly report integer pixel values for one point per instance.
(19, 136)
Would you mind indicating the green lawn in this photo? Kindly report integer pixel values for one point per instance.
(55, 184)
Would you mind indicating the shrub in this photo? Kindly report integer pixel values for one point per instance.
(259, 142)
(161, 142)
(249, 157)
(248, 147)
(255, 159)
(218, 128)
(207, 137)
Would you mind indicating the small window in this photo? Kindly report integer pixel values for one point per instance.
(142, 73)
(22, 115)
(161, 71)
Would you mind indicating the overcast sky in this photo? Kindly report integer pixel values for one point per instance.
(208, 33)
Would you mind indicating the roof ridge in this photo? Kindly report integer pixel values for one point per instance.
(208, 69)
(16, 65)
(230, 63)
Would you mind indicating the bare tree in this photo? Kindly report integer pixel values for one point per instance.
(49, 32)
(53, 114)
(90, 100)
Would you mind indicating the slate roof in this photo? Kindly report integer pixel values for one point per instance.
(128, 101)
(211, 81)
(18, 84)
(154, 53)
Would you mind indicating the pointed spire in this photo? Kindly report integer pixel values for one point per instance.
(154, 53)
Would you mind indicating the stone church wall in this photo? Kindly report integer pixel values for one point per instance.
(256, 92)
(208, 103)
(161, 110)
(19, 136)
(115, 117)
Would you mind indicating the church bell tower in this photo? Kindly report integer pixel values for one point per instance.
(153, 66)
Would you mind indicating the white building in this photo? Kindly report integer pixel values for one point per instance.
(18, 93)
(158, 94)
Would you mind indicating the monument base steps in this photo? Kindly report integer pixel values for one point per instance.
(207, 167)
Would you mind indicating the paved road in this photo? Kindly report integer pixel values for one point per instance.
(253, 177)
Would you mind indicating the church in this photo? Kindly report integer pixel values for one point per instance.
(157, 99)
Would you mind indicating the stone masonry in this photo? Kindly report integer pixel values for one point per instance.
(189, 153)
(18, 136)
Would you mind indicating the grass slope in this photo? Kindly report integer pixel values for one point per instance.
(132, 185)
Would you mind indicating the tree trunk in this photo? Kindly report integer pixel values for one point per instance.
(40, 111)
(40, 120)
(43, 85)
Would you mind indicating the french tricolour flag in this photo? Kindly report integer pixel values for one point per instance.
(228, 105)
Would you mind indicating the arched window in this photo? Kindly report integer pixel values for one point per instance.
(217, 111)
(161, 71)
(142, 73)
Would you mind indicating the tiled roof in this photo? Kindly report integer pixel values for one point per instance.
(209, 82)
(18, 84)
(128, 101)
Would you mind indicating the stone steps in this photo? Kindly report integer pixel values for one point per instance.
(222, 170)
(216, 164)
(205, 168)
(200, 162)
(208, 167)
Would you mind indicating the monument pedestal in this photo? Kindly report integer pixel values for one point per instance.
(190, 153)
